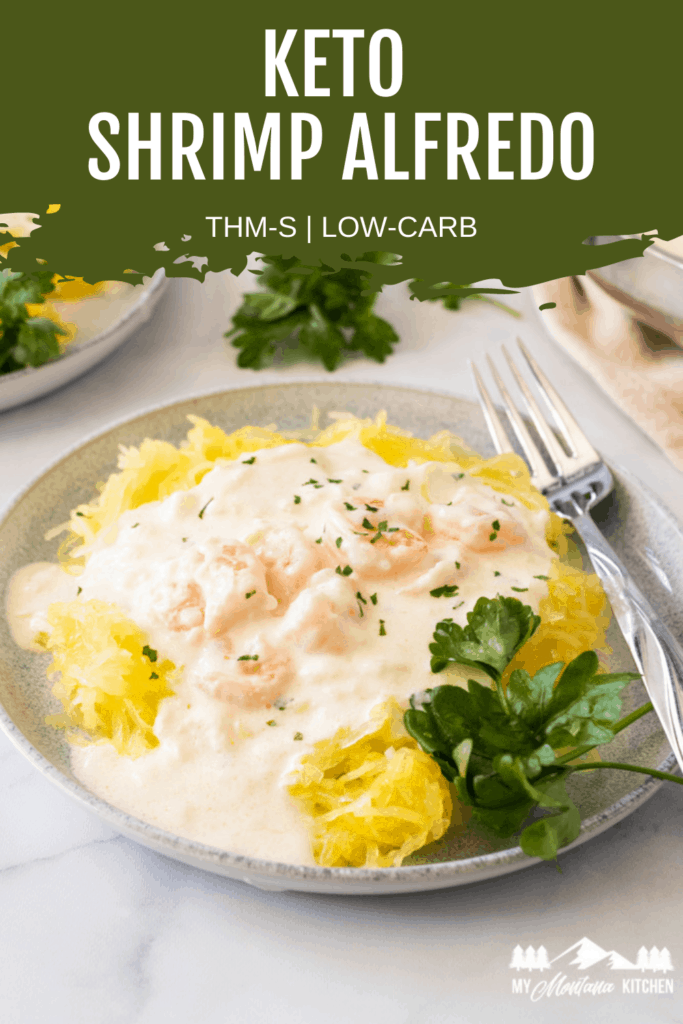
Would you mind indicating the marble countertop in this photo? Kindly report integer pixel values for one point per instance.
(97, 930)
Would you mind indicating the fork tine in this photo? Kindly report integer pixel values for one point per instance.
(540, 474)
(565, 465)
(501, 439)
(570, 430)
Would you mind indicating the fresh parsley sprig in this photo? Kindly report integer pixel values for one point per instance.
(321, 312)
(498, 746)
(26, 340)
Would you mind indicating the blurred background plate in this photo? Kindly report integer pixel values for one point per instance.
(118, 316)
(642, 531)
(651, 285)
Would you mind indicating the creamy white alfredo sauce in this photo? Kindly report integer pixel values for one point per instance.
(243, 583)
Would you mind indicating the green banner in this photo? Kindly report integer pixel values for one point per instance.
(473, 142)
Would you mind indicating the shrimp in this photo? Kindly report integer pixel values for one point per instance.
(320, 617)
(478, 530)
(476, 520)
(210, 588)
(187, 611)
(289, 558)
(374, 540)
(250, 681)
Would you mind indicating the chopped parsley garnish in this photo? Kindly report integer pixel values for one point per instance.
(248, 657)
(313, 483)
(456, 606)
(541, 577)
(457, 565)
(331, 481)
(82, 515)
(448, 590)
(519, 590)
(315, 460)
(496, 573)
(371, 508)
(79, 591)
(149, 653)
(249, 462)
(297, 499)
(349, 508)
(154, 675)
(249, 594)
(134, 525)
(184, 539)
(271, 722)
(298, 736)
(381, 528)
(360, 597)
(406, 486)
(510, 504)
(201, 514)
(346, 571)
(373, 598)
(496, 525)
(382, 630)
(319, 540)
(459, 476)
(338, 542)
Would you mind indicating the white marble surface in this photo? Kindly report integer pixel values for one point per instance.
(96, 930)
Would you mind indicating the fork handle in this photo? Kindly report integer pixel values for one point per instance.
(656, 652)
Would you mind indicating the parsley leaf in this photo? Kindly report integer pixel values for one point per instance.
(495, 631)
(26, 340)
(321, 313)
(498, 748)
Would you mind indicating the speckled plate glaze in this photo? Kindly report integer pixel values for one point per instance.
(35, 381)
(643, 532)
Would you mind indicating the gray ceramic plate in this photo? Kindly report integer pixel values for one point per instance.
(80, 356)
(643, 532)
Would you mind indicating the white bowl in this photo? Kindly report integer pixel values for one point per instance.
(34, 382)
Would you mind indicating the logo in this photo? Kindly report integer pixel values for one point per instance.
(645, 974)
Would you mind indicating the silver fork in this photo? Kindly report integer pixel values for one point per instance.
(579, 482)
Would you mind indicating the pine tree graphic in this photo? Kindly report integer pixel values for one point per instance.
(643, 959)
(530, 958)
(660, 960)
(665, 960)
(518, 961)
(542, 963)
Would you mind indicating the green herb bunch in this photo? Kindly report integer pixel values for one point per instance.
(26, 340)
(498, 746)
(321, 311)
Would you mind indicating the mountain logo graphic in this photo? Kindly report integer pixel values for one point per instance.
(587, 954)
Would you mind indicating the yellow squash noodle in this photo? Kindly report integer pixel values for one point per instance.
(371, 797)
(110, 682)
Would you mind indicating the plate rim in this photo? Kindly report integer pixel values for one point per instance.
(216, 859)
